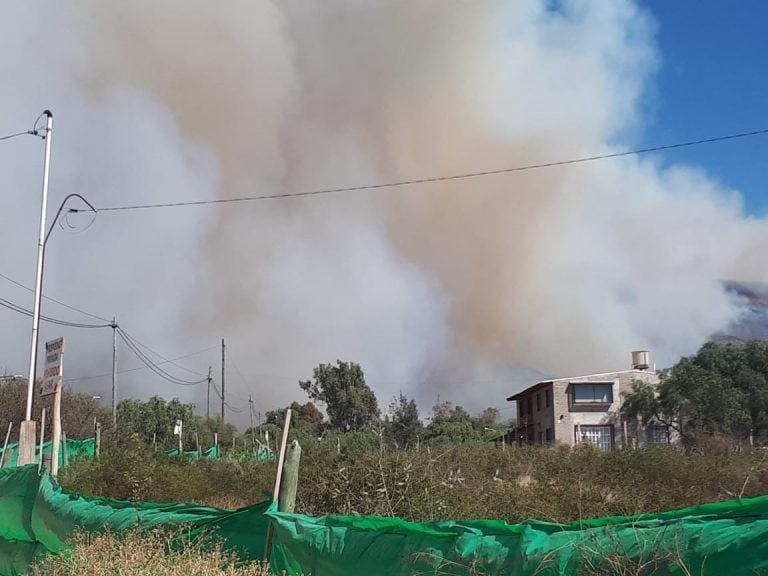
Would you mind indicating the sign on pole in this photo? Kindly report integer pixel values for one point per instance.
(54, 363)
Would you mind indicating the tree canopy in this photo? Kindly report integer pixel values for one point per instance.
(350, 403)
(722, 389)
(403, 424)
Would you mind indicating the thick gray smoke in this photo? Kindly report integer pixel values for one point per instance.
(468, 289)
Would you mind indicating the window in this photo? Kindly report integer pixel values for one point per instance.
(592, 393)
(548, 398)
(530, 404)
(600, 436)
(538, 402)
(549, 436)
(657, 435)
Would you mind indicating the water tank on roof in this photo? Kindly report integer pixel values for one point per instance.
(641, 359)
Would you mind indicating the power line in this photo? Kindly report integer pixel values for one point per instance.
(236, 410)
(21, 310)
(26, 132)
(152, 365)
(171, 361)
(60, 303)
(433, 179)
(166, 360)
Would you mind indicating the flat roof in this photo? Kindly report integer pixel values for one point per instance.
(552, 380)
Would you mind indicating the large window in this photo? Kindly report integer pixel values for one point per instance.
(592, 393)
(600, 436)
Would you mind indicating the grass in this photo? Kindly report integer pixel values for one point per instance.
(149, 553)
(455, 482)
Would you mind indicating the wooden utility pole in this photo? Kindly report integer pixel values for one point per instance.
(222, 381)
(114, 374)
(98, 439)
(253, 432)
(208, 405)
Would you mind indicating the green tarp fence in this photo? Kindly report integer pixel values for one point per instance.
(86, 447)
(212, 452)
(727, 538)
(37, 516)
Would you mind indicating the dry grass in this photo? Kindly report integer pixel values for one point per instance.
(150, 553)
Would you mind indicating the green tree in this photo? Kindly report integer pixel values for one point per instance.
(722, 389)
(349, 401)
(78, 411)
(403, 425)
(154, 420)
(452, 424)
(305, 417)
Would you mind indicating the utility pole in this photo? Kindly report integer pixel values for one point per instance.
(208, 405)
(27, 431)
(114, 374)
(222, 381)
(253, 437)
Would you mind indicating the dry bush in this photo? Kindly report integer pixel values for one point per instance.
(148, 553)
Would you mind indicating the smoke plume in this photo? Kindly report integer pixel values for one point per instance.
(468, 289)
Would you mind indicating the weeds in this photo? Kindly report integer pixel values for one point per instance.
(465, 481)
(149, 553)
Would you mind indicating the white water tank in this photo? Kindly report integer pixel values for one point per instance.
(641, 360)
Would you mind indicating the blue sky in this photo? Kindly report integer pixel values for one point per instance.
(713, 80)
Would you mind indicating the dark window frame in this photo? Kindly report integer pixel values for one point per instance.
(595, 397)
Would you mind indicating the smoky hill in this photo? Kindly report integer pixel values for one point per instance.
(753, 322)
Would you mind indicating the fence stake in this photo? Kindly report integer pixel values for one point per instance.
(42, 439)
(278, 478)
(290, 482)
(5, 444)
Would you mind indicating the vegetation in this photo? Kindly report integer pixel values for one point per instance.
(359, 463)
(721, 391)
(148, 553)
(350, 403)
(471, 480)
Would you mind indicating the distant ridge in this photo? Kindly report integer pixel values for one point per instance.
(753, 323)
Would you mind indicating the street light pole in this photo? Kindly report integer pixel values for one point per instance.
(27, 431)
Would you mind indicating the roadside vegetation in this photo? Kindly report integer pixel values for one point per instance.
(148, 553)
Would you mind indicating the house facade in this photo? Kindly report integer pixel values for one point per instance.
(579, 409)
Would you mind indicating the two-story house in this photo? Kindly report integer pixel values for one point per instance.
(587, 408)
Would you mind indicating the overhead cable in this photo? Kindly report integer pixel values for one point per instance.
(433, 179)
(166, 360)
(133, 347)
(171, 361)
(20, 309)
(60, 303)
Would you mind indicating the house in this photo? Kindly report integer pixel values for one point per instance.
(586, 409)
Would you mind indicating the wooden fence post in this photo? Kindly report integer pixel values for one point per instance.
(5, 444)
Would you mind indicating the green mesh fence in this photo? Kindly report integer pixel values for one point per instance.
(37, 516)
(86, 447)
(727, 538)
